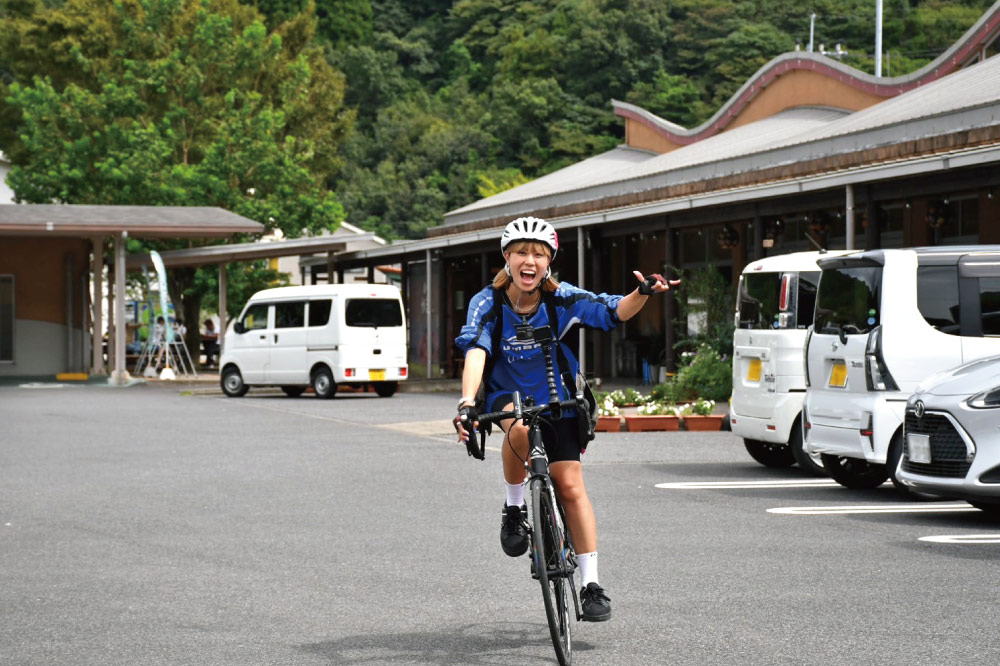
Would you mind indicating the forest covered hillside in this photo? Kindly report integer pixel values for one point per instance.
(418, 107)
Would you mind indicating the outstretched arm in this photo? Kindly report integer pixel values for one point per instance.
(629, 306)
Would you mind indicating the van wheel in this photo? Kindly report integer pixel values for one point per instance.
(769, 453)
(232, 382)
(323, 385)
(293, 391)
(810, 464)
(386, 389)
(892, 459)
(854, 473)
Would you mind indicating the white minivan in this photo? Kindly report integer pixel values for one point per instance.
(774, 306)
(884, 321)
(318, 336)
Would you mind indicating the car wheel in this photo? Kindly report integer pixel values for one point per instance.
(323, 385)
(892, 459)
(769, 453)
(293, 391)
(232, 382)
(854, 473)
(811, 463)
(991, 509)
(386, 389)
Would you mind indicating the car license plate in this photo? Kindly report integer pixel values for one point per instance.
(838, 374)
(377, 375)
(753, 370)
(918, 447)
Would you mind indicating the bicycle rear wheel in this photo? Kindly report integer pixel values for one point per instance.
(550, 551)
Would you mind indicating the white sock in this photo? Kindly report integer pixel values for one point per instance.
(515, 494)
(588, 567)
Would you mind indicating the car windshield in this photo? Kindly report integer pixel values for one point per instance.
(373, 312)
(758, 304)
(848, 299)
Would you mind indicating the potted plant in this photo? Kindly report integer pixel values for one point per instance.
(698, 416)
(653, 416)
(608, 417)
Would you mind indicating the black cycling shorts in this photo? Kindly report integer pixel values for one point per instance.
(561, 439)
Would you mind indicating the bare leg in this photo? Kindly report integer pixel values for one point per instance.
(568, 477)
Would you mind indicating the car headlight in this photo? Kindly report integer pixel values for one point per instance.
(989, 399)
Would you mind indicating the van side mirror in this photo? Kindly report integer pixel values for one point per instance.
(239, 328)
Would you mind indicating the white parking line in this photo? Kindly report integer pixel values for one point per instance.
(952, 507)
(963, 538)
(738, 485)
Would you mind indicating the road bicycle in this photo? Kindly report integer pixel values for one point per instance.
(553, 558)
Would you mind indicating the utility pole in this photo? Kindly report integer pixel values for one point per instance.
(812, 30)
(878, 38)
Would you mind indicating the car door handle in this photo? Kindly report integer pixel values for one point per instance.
(275, 337)
(263, 337)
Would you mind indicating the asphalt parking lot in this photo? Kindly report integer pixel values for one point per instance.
(146, 526)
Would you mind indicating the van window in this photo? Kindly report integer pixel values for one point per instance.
(937, 297)
(319, 312)
(759, 300)
(255, 317)
(373, 312)
(989, 301)
(848, 299)
(290, 315)
(808, 284)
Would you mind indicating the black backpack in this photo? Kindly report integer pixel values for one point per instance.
(587, 422)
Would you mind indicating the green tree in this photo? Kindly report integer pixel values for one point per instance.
(176, 102)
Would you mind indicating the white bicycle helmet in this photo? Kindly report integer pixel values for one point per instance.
(530, 229)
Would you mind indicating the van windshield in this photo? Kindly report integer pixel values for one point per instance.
(848, 299)
(758, 302)
(373, 312)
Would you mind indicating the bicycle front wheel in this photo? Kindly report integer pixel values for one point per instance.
(550, 551)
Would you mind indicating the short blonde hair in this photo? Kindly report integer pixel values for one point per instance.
(501, 280)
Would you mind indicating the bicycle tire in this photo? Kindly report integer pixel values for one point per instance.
(549, 550)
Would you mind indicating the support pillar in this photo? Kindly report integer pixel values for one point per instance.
(427, 304)
(329, 267)
(223, 288)
(119, 375)
(97, 302)
(849, 217)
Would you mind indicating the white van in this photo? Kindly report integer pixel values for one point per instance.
(885, 320)
(774, 306)
(319, 336)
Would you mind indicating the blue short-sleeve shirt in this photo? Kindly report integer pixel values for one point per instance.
(520, 365)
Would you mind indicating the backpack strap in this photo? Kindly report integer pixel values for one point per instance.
(585, 421)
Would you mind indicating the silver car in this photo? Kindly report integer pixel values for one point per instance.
(952, 435)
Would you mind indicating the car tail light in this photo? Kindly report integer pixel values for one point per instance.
(786, 284)
(805, 354)
(867, 430)
(349, 372)
(402, 372)
(877, 375)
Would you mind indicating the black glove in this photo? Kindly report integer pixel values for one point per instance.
(646, 286)
(466, 419)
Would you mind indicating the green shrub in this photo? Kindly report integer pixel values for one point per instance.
(669, 392)
(708, 376)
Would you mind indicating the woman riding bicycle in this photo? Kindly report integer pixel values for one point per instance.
(529, 245)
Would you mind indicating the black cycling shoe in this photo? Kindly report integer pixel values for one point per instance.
(596, 604)
(513, 534)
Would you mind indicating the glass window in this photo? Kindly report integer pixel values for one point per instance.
(937, 297)
(759, 300)
(319, 313)
(808, 285)
(848, 299)
(989, 301)
(6, 318)
(373, 312)
(255, 317)
(290, 315)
